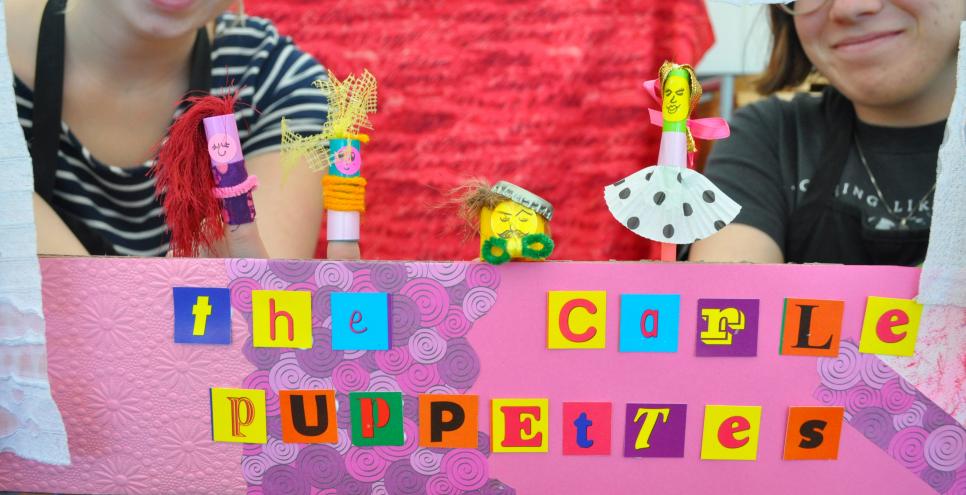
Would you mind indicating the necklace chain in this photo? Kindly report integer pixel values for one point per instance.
(903, 220)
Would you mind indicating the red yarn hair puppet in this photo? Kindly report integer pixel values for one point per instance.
(201, 176)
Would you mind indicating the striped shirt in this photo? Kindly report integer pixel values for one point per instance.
(119, 203)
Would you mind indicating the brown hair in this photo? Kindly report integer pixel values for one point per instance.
(788, 65)
(471, 197)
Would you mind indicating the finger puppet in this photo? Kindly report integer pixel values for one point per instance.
(337, 150)
(512, 221)
(201, 177)
(669, 202)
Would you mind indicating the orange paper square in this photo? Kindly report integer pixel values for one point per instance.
(450, 430)
(308, 416)
(813, 433)
(812, 327)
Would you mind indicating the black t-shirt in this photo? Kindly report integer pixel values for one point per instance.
(776, 146)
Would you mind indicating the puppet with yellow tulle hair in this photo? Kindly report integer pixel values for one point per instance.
(337, 150)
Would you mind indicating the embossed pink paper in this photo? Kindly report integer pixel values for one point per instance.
(136, 408)
(134, 403)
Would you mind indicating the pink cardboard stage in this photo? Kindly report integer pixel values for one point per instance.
(137, 411)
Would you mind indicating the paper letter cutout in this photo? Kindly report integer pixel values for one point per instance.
(649, 323)
(361, 321)
(448, 421)
(890, 326)
(586, 428)
(811, 327)
(202, 315)
(282, 318)
(655, 430)
(519, 425)
(238, 415)
(813, 433)
(308, 416)
(377, 418)
(731, 432)
(727, 327)
(576, 320)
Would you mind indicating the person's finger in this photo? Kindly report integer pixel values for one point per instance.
(244, 241)
(343, 250)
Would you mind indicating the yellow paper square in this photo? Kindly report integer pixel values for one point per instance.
(519, 425)
(738, 425)
(890, 326)
(238, 415)
(576, 319)
(289, 313)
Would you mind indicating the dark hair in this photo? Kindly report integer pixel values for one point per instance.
(788, 65)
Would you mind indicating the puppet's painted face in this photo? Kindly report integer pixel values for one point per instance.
(676, 98)
(513, 221)
(224, 148)
(347, 160)
(223, 144)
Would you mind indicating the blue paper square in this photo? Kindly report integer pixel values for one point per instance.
(641, 313)
(360, 321)
(206, 309)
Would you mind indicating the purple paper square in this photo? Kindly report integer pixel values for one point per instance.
(666, 437)
(734, 329)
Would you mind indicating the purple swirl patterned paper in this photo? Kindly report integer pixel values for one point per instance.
(402, 479)
(344, 443)
(352, 486)
(284, 479)
(321, 465)
(365, 465)
(388, 277)
(946, 448)
(466, 469)
(434, 306)
(280, 452)
(427, 346)
(254, 467)
(891, 413)
(425, 461)
(439, 484)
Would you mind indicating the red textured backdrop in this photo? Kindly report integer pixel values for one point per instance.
(545, 94)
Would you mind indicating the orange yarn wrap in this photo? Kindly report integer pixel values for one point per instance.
(344, 193)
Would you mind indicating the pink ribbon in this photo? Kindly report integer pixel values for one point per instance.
(249, 184)
(707, 129)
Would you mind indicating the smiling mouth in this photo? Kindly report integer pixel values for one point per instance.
(864, 40)
(673, 108)
(222, 152)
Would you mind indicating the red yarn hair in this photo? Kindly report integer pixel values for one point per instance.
(184, 177)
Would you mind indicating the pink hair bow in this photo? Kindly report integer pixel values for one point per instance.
(709, 128)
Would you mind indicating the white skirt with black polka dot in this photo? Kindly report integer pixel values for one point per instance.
(670, 204)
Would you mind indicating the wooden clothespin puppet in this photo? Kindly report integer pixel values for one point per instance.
(512, 221)
(337, 150)
(669, 202)
(201, 177)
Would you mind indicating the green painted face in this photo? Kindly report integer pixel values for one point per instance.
(676, 98)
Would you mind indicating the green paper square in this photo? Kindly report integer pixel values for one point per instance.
(386, 412)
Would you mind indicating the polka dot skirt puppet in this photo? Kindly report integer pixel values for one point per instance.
(201, 176)
(512, 221)
(669, 202)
